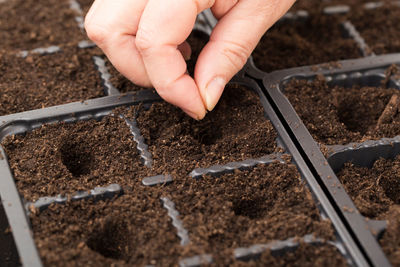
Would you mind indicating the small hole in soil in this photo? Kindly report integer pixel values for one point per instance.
(359, 112)
(252, 208)
(354, 115)
(391, 186)
(206, 134)
(110, 240)
(77, 158)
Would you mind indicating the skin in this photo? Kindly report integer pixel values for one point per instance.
(145, 41)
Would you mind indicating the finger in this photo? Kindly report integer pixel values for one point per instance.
(231, 43)
(112, 25)
(163, 26)
(221, 7)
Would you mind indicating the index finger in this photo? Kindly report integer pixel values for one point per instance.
(163, 26)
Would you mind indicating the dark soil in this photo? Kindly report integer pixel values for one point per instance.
(247, 207)
(391, 239)
(380, 28)
(305, 255)
(318, 5)
(85, 5)
(309, 5)
(119, 81)
(8, 251)
(373, 190)
(197, 40)
(376, 193)
(106, 232)
(29, 24)
(39, 81)
(236, 130)
(133, 229)
(338, 115)
(317, 40)
(64, 158)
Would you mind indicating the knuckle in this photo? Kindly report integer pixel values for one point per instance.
(97, 33)
(236, 53)
(144, 39)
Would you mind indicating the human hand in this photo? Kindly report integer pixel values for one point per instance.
(145, 41)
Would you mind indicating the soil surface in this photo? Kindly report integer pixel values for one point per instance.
(197, 41)
(39, 81)
(65, 157)
(317, 39)
(87, 154)
(236, 130)
(247, 207)
(376, 193)
(132, 229)
(29, 24)
(305, 255)
(308, 5)
(379, 27)
(318, 5)
(8, 251)
(373, 190)
(221, 213)
(391, 238)
(338, 115)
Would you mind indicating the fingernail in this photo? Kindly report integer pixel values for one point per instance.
(214, 91)
(191, 114)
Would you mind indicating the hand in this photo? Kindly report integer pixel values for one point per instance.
(145, 41)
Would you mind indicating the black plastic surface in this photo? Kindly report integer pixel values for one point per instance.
(23, 122)
(354, 238)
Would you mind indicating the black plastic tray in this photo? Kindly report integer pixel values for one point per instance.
(17, 209)
(367, 71)
(356, 243)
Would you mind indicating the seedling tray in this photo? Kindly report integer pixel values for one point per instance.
(17, 209)
(367, 72)
(354, 240)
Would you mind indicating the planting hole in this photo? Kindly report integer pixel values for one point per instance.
(77, 158)
(391, 186)
(207, 134)
(359, 113)
(365, 109)
(110, 239)
(252, 208)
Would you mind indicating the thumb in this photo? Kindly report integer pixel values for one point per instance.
(231, 43)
